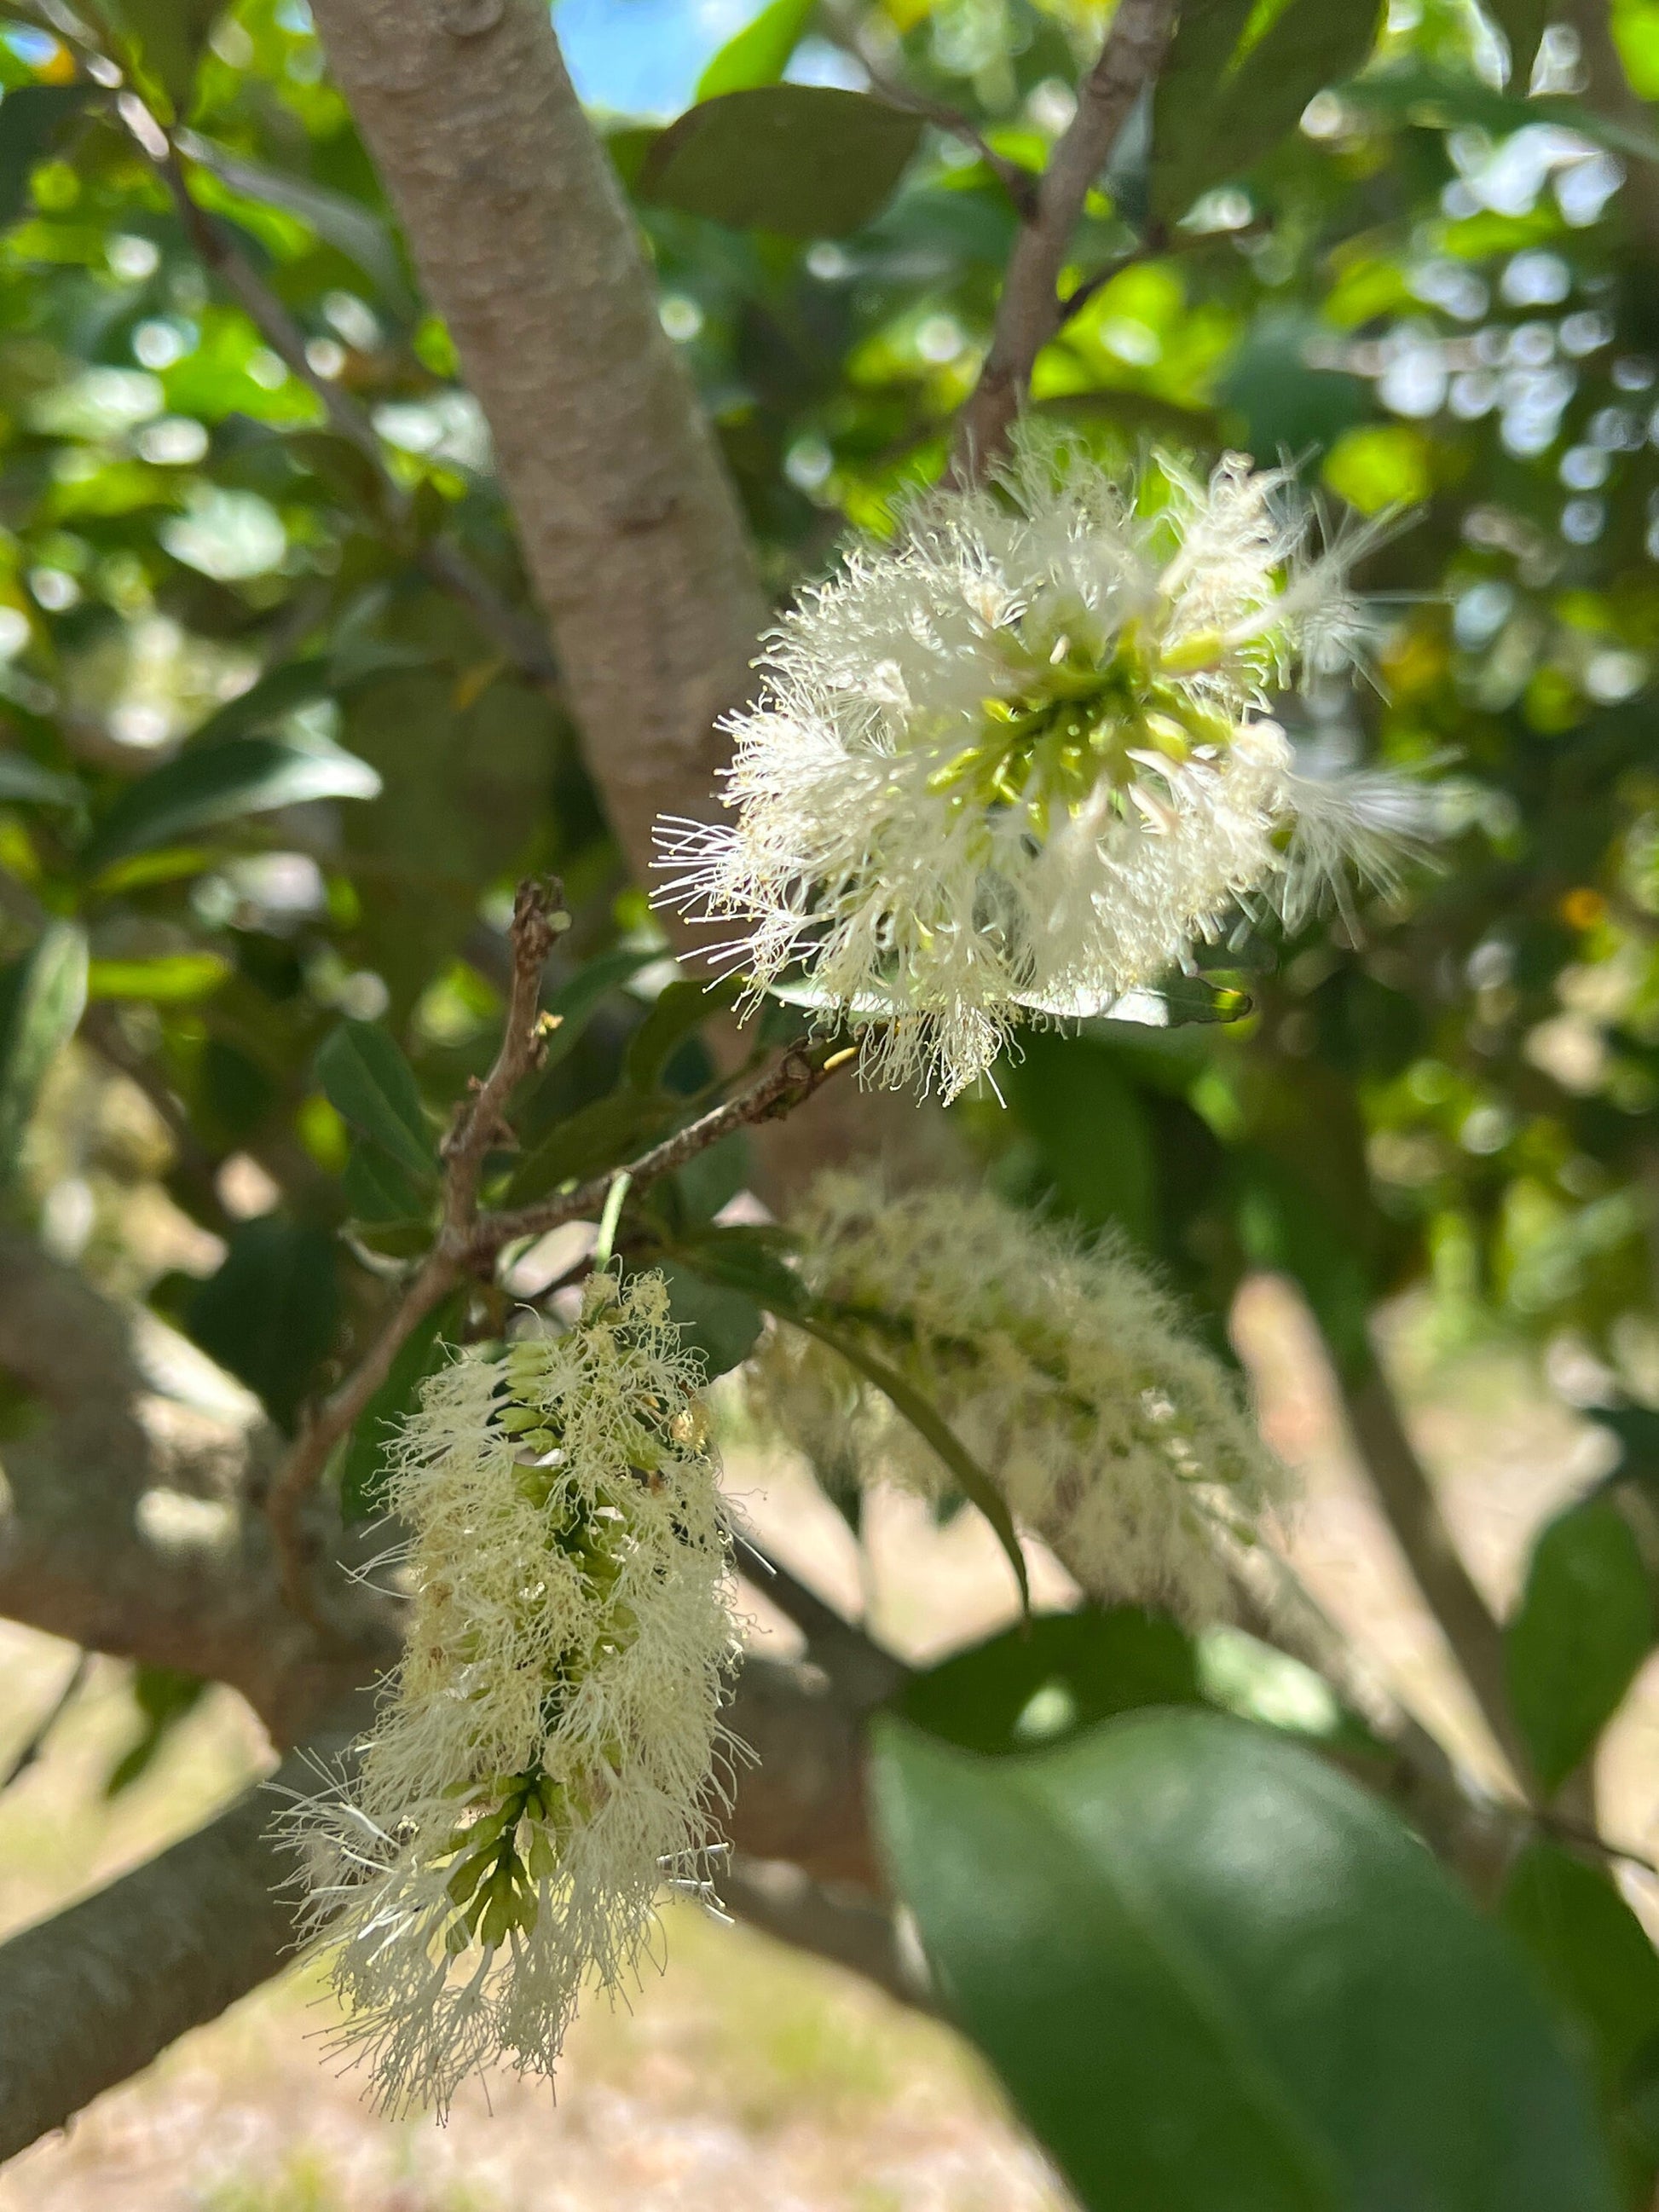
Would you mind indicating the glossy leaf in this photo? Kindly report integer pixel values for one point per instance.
(366, 1078)
(1213, 1972)
(223, 781)
(1052, 1678)
(268, 1313)
(344, 223)
(32, 118)
(1213, 122)
(759, 53)
(809, 161)
(268, 700)
(1584, 1624)
(41, 999)
(718, 1324)
(678, 1013)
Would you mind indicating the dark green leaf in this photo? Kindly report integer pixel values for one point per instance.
(23, 778)
(750, 1260)
(163, 1696)
(1436, 98)
(807, 160)
(1584, 1624)
(32, 120)
(925, 1418)
(363, 1472)
(269, 1313)
(377, 1189)
(760, 53)
(366, 1078)
(273, 696)
(1602, 1972)
(169, 36)
(606, 1134)
(679, 1012)
(1216, 123)
(40, 1006)
(345, 224)
(576, 1000)
(1056, 1675)
(1090, 1127)
(1213, 1972)
(1285, 1223)
(221, 782)
(719, 1323)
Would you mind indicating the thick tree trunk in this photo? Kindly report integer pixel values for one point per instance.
(525, 246)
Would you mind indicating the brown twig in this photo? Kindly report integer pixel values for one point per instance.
(785, 1086)
(468, 1241)
(444, 563)
(1031, 310)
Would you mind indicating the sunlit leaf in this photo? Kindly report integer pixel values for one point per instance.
(759, 53)
(1584, 1626)
(41, 999)
(365, 1078)
(220, 782)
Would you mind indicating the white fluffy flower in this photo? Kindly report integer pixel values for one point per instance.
(546, 1757)
(1017, 762)
(1071, 1377)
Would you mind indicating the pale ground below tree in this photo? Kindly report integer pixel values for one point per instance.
(746, 2078)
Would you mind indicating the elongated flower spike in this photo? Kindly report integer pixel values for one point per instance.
(1020, 762)
(1113, 1434)
(546, 1757)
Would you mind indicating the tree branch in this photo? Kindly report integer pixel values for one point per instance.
(1413, 1512)
(90, 1996)
(630, 529)
(1031, 310)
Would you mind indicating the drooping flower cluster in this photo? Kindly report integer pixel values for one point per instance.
(1071, 1377)
(1017, 763)
(546, 1756)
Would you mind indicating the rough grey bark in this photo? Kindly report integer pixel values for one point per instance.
(630, 526)
(91, 1995)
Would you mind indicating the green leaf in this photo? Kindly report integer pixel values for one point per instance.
(679, 1012)
(169, 36)
(220, 782)
(1601, 1971)
(1436, 98)
(1584, 1624)
(751, 1260)
(23, 779)
(1211, 123)
(809, 161)
(719, 1324)
(576, 1000)
(364, 1470)
(1284, 1222)
(760, 53)
(1213, 1971)
(163, 1696)
(268, 699)
(43, 997)
(606, 1134)
(345, 224)
(269, 1313)
(925, 1418)
(377, 1189)
(366, 1080)
(1092, 1131)
(1053, 1677)
(33, 118)
(171, 979)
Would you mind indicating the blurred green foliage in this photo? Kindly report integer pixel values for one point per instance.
(265, 785)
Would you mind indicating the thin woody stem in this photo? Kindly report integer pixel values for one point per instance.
(1031, 310)
(469, 1241)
